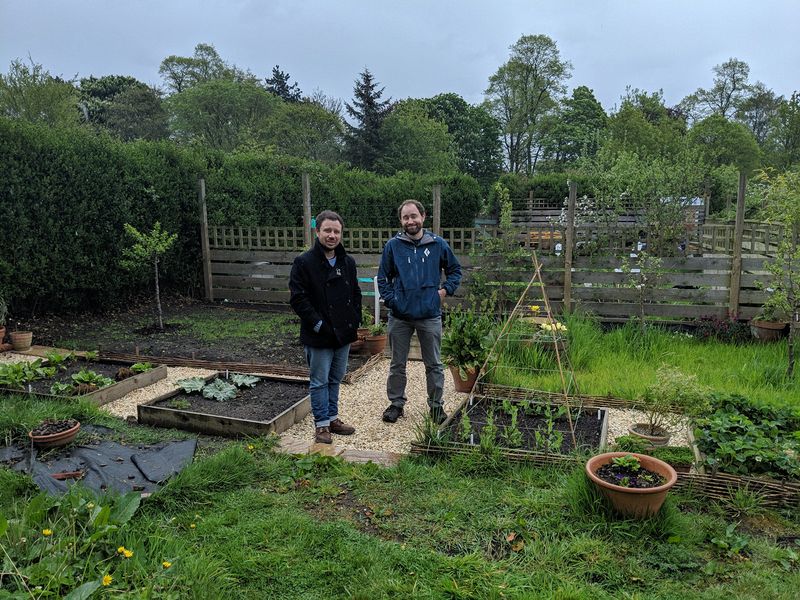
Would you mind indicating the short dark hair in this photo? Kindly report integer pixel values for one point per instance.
(328, 215)
(416, 203)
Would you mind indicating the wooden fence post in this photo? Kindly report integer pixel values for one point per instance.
(437, 209)
(738, 232)
(569, 242)
(206, 251)
(308, 239)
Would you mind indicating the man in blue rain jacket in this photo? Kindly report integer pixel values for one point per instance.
(410, 283)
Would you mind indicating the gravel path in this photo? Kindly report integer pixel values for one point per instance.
(362, 404)
(13, 357)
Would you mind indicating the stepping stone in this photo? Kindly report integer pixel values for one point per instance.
(324, 449)
(384, 459)
(293, 445)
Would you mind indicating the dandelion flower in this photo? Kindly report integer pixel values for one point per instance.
(251, 447)
(192, 526)
(121, 549)
(127, 553)
(166, 564)
(107, 579)
(535, 308)
(47, 532)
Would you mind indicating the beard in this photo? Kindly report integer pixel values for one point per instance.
(412, 229)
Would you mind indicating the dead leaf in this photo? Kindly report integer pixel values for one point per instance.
(518, 546)
(511, 536)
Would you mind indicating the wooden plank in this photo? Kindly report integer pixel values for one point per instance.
(667, 279)
(244, 282)
(736, 267)
(657, 310)
(569, 245)
(252, 295)
(659, 295)
(667, 264)
(204, 242)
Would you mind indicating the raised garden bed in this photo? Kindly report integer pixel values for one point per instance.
(541, 434)
(103, 395)
(272, 405)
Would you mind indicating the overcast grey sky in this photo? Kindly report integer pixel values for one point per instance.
(415, 48)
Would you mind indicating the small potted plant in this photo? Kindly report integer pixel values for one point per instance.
(464, 346)
(52, 433)
(21, 339)
(376, 340)
(367, 319)
(551, 335)
(666, 403)
(769, 325)
(635, 484)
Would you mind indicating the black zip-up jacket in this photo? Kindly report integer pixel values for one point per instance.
(320, 292)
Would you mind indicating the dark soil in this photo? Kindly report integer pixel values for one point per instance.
(193, 329)
(53, 427)
(265, 401)
(627, 477)
(586, 425)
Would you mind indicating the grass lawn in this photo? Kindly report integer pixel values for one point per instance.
(244, 522)
(623, 363)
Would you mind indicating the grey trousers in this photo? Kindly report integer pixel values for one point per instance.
(429, 332)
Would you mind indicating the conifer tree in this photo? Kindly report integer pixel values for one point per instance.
(279, 85)
(364, 143)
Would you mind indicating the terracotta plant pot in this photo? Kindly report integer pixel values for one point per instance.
(633, 502)
(661, 438)
(362, 332)
(375, 343)
(461, 385)
(357, 345)
(21, 340)
(55, 439)
(767, 331)
(2, 333)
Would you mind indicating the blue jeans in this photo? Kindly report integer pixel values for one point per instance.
(326, 367)
(429, 332)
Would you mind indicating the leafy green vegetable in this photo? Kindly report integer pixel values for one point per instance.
(142, 367)
(219, 390)
(91, 378)
(61, 389)
(240, 380)
(192, 384)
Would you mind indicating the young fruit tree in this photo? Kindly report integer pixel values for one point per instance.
(782, 202)
(147, 248)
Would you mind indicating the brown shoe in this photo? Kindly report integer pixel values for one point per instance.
(340, 427)
(322, 435)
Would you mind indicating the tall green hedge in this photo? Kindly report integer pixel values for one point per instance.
(66, 193)
(552, 186)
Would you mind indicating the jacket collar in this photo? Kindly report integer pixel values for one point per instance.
(320, 250)
(427, 238)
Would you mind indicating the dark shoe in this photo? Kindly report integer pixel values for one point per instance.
(391, 414)
(322, 435)
(341, 428)
(438, 415)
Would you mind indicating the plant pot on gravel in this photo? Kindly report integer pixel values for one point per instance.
(52, 433)
(463, 378)
(21, 340)
(375, 342)
(635, 484)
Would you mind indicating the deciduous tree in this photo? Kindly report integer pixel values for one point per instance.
(182, 72)
(522, 92)
(729, 89)
(29, 92)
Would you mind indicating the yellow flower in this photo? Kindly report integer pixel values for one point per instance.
(192, 526)
(46, 532)
(250, 447)
(535, 308)
(166, 564)
(90, 505)
(121, 549)
(127, 553)
(107, 579)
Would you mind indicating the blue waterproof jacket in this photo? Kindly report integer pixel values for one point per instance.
(410, 275)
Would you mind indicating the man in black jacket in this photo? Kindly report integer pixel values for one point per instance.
(325, 295)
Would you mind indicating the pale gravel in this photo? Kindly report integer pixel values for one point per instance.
(125, 407)
(13, 357)
(362, 403)
(620, 419)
